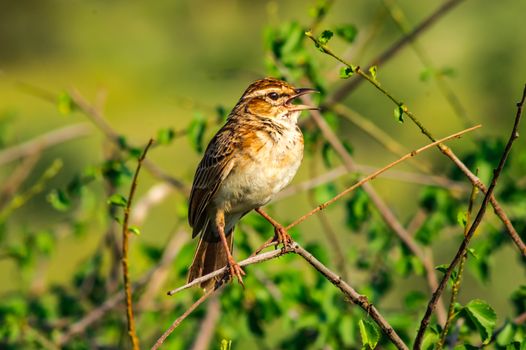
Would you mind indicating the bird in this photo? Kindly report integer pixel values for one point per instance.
(253, 156)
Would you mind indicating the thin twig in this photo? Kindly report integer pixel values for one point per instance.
(378, 172)
(79, 327)
(449, 94)
(125, 235)
(390, 52)
(462, 249)
(456, 285)
(386, 213)
(444, 149)
(181, 318)
(337, 172)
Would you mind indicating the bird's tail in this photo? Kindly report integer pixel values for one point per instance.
(210, 255)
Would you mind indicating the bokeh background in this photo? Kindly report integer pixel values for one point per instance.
(164, 64)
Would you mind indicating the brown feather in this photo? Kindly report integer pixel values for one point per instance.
(210, 256)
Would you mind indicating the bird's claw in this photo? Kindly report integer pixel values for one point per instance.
(282, 237)
(236, 271)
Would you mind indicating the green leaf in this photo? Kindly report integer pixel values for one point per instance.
(117, 200)
(442, 268)
(483, 316)
(347, 32)
(135, 230)
(399, 113)
(462, 218)
(346, 72)
(373, 70)
(165, 136)
(324, 37)
(65, 104)
(369, 333)
(59, 200)
(196, 131)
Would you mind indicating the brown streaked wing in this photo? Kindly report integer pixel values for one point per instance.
(215, 166)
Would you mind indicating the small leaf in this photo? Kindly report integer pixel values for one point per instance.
(117, 200)
(165, 136)
(483, 316)
(324, 37)
(135, 230)
(347, 32)
(59, 200)
(462, 218)
(373, 70)
(399, 113)
(442, 268)
(346, 72)
(369, 333)
(65, 104)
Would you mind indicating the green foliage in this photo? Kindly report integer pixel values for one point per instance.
(325, 36)
(483, 317)
(369, 333)
(286, 304)
(398, 113)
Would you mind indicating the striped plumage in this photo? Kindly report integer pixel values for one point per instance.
(250, 159)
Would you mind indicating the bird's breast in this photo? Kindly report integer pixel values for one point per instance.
(265, 164)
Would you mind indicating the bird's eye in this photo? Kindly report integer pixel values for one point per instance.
(273, 96)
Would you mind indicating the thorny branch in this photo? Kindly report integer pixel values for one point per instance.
(478, 219)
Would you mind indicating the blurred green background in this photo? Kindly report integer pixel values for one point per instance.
(160, 63)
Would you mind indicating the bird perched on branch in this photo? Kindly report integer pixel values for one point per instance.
(250, 159)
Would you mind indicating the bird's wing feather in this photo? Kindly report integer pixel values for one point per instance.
(215, 166)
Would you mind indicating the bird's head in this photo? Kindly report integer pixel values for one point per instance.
(273, 98)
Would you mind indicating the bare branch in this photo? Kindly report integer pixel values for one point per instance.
(376, 173)
(478, 219)
(444, 149)
(347, 290)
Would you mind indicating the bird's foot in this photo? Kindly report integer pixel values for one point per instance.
(235, 270)
(281, 236)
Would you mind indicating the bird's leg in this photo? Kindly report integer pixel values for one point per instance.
(280, 234)
(234, 268)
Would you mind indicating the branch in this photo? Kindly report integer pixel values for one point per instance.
(462, 249)
(456, 285)
(385, 212)
(337, 172)
(347, 290)
(125, 235)
(444, 149)
(181, 318)
(385, 56)
(378, 172)
(172, 249)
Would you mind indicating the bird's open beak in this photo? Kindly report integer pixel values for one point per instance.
(300, 92)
